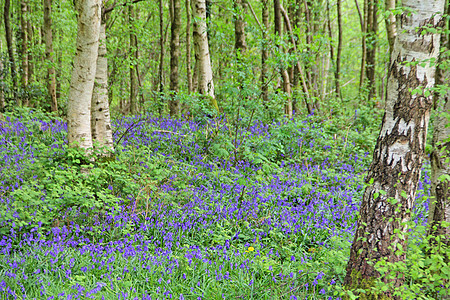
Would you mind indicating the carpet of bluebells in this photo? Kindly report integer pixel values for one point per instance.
(184, 210)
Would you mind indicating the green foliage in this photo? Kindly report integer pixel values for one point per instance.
(63, 186)
(426, 268)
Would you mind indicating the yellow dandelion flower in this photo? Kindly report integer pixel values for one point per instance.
(250, 249)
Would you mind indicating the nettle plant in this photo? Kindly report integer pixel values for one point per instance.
(426, 267)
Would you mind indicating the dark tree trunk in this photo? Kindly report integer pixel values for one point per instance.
(2, 92)
(265, 52)
(439, 208)
(133, 65)
(311, 68)
(337, 74)
(277, 18)
(49, 56)
(397, 160)
(161, 49)
(363, 22)
(330, 34)
(174, 105)
(371, 43)
(24, 49)
(240, 44)
(188, 46)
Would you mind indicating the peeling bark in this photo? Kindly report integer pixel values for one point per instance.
(202, 57)
(100, 116)
(398, 154)
(83, 74)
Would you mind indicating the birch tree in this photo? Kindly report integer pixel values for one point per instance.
(83, 73)
(100, 116)
(202, 57)
(391, 24)
(397, 159)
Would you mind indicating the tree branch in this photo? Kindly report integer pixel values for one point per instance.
(107, 10)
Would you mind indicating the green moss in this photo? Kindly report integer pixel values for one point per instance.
(106, 158)
(363, 288)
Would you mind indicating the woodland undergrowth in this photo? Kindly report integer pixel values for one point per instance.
(184, 209)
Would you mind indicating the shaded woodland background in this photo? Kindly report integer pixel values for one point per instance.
(265, 55)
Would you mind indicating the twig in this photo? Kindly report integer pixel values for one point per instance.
(254, 15)
(333, 90)
(106, 10)
(167, 131)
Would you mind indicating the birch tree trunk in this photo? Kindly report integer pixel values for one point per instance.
(100, 116)
(202, 57)
(83, 74)
(391, 25)
(174, 104)
(49, 56)
(398, 154)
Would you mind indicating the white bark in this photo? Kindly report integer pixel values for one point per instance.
(398, 155)
(83, 74)
(205, 75)
(100, 118)
(411, 47)
(391, 25)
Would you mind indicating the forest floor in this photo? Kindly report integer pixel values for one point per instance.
(184, 210)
